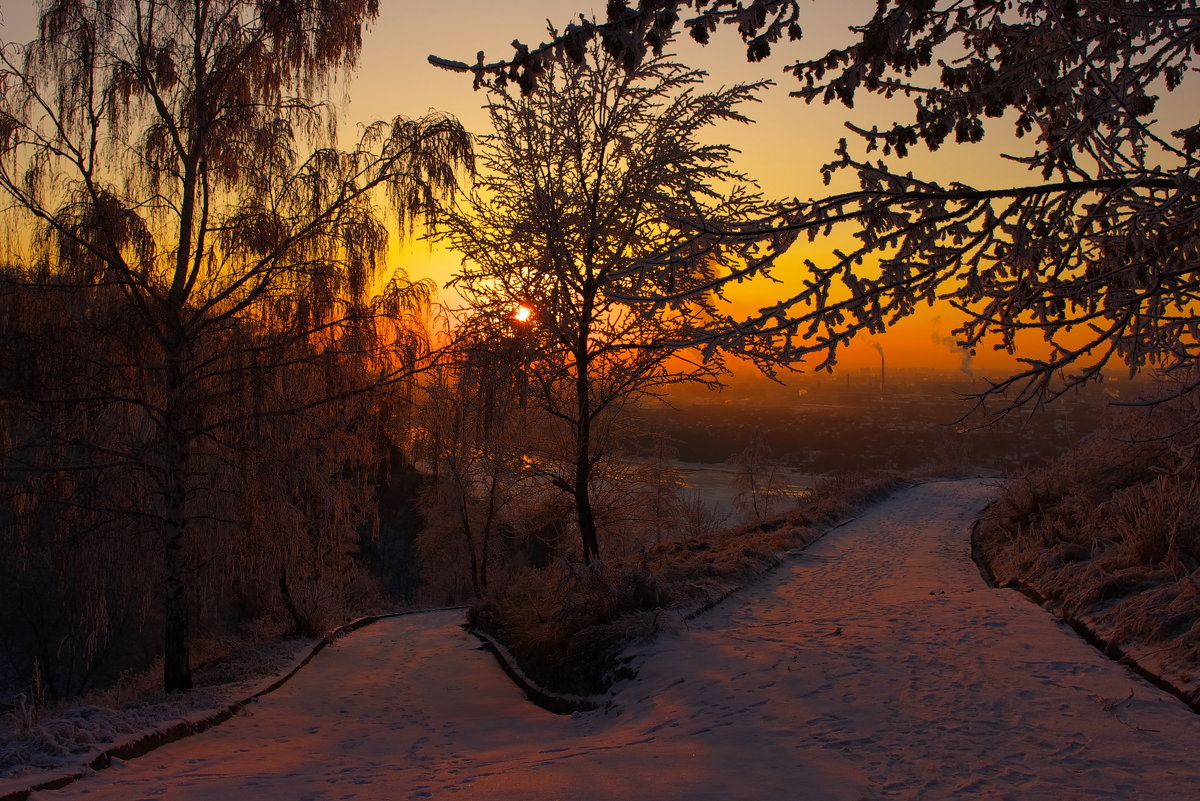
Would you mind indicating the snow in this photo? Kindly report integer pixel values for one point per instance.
(876, 664)
(62, 740)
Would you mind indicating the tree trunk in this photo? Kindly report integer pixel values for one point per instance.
(586, 517)
(476, 582)
(485, 536)
(177, 672)
(300, 624)
(584, 513)
(464, 518)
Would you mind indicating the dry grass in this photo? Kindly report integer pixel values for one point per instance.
(568, 626)
(1111, 534)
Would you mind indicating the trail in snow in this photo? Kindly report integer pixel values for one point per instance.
(877, 664)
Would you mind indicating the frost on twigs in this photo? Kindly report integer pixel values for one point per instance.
(631, 32)
(1095, 254)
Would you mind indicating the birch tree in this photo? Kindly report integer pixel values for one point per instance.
(1096, 252)
(180, 156)
(578, 183)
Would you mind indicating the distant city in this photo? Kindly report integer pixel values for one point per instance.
(862, 420)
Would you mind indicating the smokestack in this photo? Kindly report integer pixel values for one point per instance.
(882, 367)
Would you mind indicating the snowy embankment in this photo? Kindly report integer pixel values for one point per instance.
(876, 664)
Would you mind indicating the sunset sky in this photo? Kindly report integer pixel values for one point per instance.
(782, 151)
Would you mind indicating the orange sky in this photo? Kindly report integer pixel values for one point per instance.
(783, 151)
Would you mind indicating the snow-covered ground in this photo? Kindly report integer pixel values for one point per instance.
(876, 664)
(60, 738)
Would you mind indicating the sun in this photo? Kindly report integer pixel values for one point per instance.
(523, 313)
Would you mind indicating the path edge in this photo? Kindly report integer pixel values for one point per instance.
(558, 703)
(1086, 632)
(148, 741)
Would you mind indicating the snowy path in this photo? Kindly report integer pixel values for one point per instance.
(840, 677)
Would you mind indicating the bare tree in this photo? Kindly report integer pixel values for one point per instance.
(1096, 253)
(472, 431)
(578, 183)
(758, 478)
(659, 483)
(179, 156)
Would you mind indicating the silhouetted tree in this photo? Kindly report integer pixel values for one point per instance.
(578, 183)
(473, 433)
(1097, 252)
(178, 157)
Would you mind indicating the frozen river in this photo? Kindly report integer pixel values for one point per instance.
(715, 485)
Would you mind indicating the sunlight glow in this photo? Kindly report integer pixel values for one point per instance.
(522, 313)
